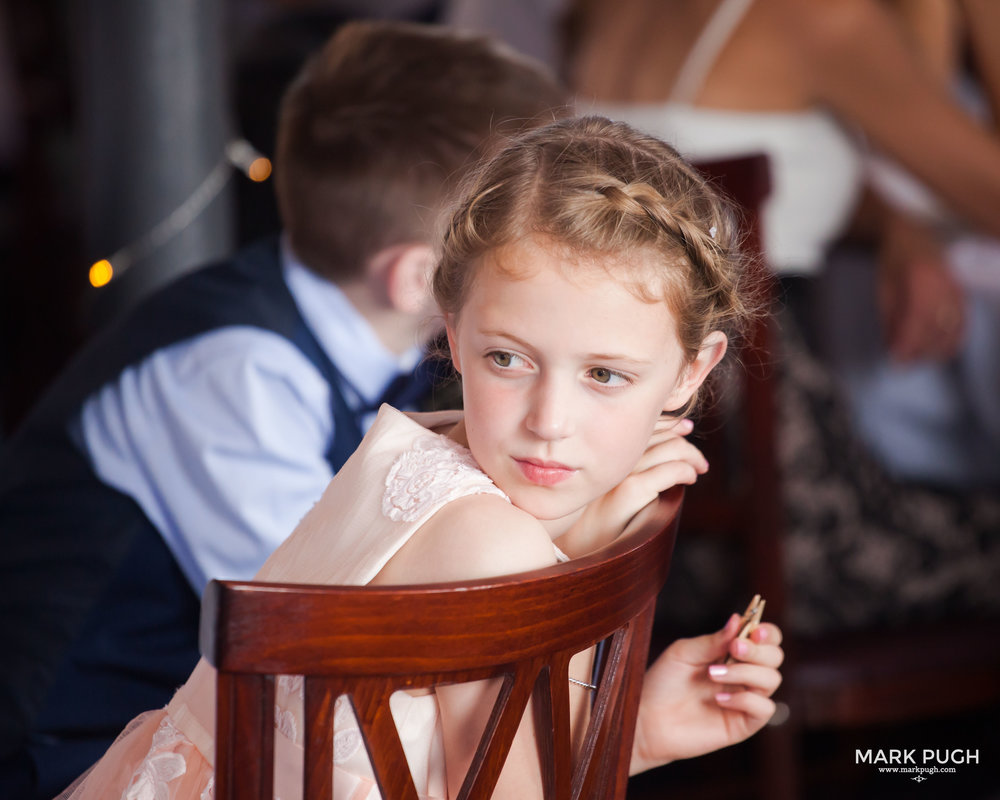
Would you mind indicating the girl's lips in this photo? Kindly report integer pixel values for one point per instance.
(544, 473)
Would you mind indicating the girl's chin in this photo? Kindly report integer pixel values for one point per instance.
(555, 517)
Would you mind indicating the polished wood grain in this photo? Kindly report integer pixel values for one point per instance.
(368, 642)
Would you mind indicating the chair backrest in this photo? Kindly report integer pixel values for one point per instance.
(367, 642)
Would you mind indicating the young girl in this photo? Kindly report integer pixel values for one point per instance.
(588, 281)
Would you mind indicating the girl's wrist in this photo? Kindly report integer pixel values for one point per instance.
(640, 762)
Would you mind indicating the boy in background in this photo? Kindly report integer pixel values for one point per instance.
(188, 439)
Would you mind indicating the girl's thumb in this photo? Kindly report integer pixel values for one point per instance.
(710, 647)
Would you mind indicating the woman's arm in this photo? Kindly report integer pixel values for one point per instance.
(982, 28)
(860, 65)
(934, 27)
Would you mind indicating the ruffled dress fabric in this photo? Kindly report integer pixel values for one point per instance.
(400, 475)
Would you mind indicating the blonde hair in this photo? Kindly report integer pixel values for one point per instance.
(602, 189)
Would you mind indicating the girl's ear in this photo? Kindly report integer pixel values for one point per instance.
(449, 326)
(713, 348)
(408, 276)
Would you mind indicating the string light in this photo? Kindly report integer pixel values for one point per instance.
(101, 273)
(238, 153)
(260, 170)
(243, 156)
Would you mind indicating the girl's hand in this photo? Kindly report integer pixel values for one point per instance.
(692, 703)
(669, 460)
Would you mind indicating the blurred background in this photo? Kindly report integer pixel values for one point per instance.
(125, 135)
(134, 138)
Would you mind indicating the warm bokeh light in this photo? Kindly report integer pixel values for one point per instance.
(260, 169)
(101, 273)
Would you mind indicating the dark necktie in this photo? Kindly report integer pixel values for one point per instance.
(407, 389)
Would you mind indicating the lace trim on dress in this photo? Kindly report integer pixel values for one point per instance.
(433, 472)
(158, 768)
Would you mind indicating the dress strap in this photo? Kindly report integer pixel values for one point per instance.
(702, 55)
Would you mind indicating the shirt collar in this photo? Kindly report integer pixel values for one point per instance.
(342, 330)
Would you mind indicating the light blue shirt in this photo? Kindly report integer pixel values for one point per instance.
(221, 439)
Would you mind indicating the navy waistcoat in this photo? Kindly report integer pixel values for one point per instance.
(98, 622)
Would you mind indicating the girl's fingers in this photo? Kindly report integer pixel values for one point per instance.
(753, 705)
(679, 425)
(660, 477)
(670, 428)
(767, 633)
(762, 680)
(751, 652)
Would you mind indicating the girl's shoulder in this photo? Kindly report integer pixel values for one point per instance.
(427, 470)
(468, 528)
(474, 536)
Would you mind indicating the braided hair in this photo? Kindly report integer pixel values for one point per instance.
(605, 193)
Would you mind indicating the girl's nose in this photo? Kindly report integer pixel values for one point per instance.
(551, 413)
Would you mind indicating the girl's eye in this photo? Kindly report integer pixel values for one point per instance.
(608, 377)
(502, 359)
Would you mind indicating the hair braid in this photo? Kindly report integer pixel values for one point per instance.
(704, 241)
(601, 188)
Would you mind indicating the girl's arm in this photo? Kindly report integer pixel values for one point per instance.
(684, 711)
(477, 537)
(465, 709)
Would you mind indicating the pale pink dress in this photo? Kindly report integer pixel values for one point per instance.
(400, 475)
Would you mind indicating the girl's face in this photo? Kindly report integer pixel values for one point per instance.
(565, 372)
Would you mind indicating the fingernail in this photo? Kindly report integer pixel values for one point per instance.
(723, 697)
(717, 670)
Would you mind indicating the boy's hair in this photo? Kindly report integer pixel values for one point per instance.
(377, 127)
(597, 188)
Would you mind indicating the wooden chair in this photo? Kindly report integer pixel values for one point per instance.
(850, 681)
(368, 642)
(741, 494)
(740, 498)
